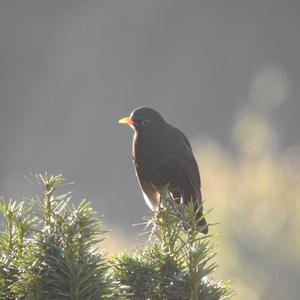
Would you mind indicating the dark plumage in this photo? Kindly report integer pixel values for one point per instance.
(162, 155)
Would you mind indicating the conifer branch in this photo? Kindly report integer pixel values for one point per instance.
(50, 250)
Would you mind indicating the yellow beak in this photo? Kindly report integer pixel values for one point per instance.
(126, 121)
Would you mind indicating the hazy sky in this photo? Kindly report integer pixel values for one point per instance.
(70, 69)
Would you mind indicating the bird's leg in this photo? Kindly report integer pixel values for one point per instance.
(176, 195)
(157, 213)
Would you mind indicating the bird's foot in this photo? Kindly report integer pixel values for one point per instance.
(157, 214)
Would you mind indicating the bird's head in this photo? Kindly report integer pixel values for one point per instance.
(143, 118)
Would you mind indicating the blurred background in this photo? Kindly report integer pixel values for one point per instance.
(225, 72)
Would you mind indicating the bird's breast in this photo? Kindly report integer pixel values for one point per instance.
(154, 163)
(147, 156)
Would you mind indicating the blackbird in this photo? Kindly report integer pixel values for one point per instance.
(163, 156)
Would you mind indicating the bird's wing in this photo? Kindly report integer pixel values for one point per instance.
(189, 164)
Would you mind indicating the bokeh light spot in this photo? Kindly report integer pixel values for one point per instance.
(253, 135)
(269, 87)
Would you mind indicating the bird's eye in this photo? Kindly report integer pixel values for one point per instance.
(145, 122)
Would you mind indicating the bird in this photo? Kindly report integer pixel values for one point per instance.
(163, 157)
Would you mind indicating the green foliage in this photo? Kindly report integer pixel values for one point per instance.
(50, 250)
(177, 264)
(12, 243)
